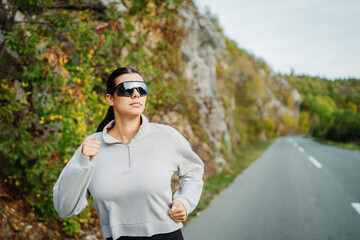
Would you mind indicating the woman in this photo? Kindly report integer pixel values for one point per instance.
(127, 166)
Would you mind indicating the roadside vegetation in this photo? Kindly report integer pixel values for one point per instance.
(53, 68)
(330, 110)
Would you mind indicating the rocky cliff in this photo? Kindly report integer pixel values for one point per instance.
(204, 49)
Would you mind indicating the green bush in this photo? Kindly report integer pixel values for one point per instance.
(345, 127)
(329, 108)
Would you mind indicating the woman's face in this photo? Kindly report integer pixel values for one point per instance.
(131, 106)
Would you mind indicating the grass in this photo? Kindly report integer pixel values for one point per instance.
(350, 145)
(218, 182)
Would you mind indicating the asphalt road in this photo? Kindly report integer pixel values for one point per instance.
(298, 189)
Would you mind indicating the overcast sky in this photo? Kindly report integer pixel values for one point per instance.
(314, 37)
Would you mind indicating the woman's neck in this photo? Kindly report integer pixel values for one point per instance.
(125, 128)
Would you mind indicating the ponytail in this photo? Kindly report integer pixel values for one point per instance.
(108, 118)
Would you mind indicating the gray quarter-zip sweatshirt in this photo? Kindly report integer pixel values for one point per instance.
(131, 182)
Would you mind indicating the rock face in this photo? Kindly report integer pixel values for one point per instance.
(282, 86)
(200, 50)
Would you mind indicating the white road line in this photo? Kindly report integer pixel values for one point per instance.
(315, 162)
(356, 206)
(301, 149)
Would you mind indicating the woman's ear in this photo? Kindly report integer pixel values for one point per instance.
(110, 99)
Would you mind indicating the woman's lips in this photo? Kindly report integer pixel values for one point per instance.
(135, 104)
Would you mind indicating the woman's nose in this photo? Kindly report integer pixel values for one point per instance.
(135, 94)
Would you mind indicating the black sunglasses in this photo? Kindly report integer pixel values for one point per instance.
(126, 89)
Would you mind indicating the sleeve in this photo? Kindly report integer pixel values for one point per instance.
(191, 171)
(70, 191)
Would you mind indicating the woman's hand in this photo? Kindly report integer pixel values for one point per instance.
(178, 211)
(90, 148)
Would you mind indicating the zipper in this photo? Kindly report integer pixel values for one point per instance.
(129, 156)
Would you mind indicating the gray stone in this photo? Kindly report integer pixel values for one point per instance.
(119, 5)
(19, 91)
(201, 50)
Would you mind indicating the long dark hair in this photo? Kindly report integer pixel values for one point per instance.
(110, 86)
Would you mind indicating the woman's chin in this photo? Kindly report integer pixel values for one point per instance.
(133, 112)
